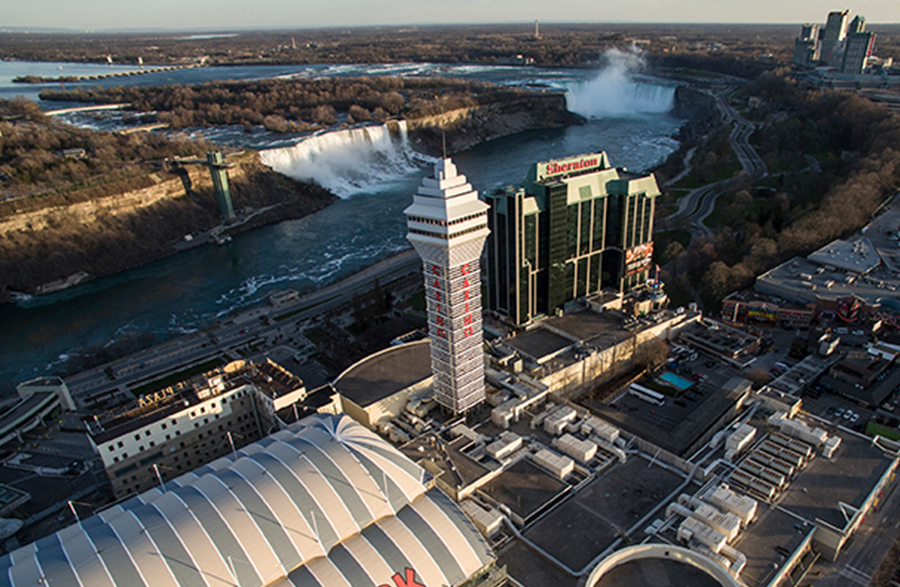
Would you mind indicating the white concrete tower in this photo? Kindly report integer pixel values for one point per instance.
(448, 226)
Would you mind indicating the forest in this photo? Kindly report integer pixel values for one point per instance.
(298, 105)
(800, 207)
(40, 155)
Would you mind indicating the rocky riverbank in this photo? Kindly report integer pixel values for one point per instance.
(42, 248)
(463, 128)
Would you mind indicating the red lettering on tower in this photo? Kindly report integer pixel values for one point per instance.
(469, 331)
(439, 320)
(436, 270)
(465, 269)
(466, 282)
(437, 295)
(441, 332)
(437, 283)
(467, 319)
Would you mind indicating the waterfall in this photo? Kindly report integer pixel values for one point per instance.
(615, 93)
(347, 162)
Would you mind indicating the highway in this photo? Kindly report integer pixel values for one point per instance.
(699, 203)
(257, 325)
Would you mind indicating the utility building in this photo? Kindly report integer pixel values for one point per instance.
(448, 226)
(576, 226)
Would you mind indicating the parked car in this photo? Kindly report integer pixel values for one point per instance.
(839, 412)
(854, 418)
(848, 414)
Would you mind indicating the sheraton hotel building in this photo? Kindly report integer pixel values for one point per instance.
(575, 227)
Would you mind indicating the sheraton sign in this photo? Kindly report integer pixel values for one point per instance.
(579, 163)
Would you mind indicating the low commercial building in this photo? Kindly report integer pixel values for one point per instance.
(845, 280)
(185, 426)
(375, 389)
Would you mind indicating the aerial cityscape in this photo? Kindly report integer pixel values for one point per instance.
(473, 298)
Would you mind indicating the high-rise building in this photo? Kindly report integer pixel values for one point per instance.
(576, 226)
(857, 52)
(833, 38)
(448, 226)
(857, 25)
(806, 46)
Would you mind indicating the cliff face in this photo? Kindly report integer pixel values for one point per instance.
(699, 108)
(467, 127)
(88, 236)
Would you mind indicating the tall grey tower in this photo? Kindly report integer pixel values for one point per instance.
(448, 226)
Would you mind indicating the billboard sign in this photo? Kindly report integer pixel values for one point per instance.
(638, 258)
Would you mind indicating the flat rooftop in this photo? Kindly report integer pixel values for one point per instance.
(24, 409)
(847, 478)
(773, 529)
(656, 573)
(539, 344)
(385, 373)
(675, 428)
(524, 488)
(585, 523)
(801, 279)
(858, 256)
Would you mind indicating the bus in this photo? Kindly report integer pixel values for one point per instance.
(648, 395)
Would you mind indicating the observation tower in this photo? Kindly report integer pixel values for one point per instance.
(447, 225)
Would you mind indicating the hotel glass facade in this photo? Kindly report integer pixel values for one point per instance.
(576, 226)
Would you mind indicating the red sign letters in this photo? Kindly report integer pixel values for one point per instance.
(408, 581)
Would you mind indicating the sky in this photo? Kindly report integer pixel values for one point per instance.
(80, 15)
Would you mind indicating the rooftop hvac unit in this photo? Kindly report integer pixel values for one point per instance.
(782, 453)
(694, 529)
(727, 500)
(727, 524)
(754, 484)
(771, 462)
(768, 475)
(830, 446)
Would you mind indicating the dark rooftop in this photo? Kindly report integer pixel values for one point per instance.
(601, 330)
(656, 573)
(539, 344)
(587, 522)
(385, 373)
(773, 528)
(848, 477)
(673, 427)
(524, 488)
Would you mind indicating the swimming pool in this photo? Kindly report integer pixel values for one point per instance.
(676, 380)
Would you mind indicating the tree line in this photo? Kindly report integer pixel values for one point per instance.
(300, 105)
(35, 154)
(855, 147)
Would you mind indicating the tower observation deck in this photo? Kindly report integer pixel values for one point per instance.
(447, 225)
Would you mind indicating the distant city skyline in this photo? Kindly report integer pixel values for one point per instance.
(113, 15)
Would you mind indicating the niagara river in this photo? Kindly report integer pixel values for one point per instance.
(373, 171)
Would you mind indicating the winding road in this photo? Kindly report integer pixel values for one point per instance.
(699, 203)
